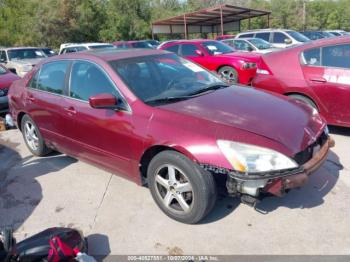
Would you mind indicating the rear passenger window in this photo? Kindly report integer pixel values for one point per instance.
(246, 35)
(52, 77)
(336, 56)
(279, 38)
(173, 48)
(311, 57)
(264, 36)
(88, 80)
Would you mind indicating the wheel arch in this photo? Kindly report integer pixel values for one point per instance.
(154, 150)
(304, 95)
(20, 116)
(221, 66)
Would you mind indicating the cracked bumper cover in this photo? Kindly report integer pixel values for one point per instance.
(278, 186)
(275, 183)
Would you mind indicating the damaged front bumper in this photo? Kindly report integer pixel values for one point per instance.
(279, 186)
(251, 186)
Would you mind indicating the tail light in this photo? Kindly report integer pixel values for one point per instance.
(263, 69)
(248, 65)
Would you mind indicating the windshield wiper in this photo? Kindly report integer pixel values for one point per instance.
(166, 99)
(194, 94)
(211, 87)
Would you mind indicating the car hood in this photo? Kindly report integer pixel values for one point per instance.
(7, 79)
(274, 117)
(32, 61)
(246, 56)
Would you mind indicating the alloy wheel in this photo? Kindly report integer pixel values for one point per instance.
(174, 189)
(229, 75)
(31, 136)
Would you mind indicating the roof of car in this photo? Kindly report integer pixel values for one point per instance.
(20, 47)
(315, 44)
(198, 41)
(329, 41)
(244, 39)
(113, 54)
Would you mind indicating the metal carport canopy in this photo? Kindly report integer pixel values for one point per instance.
(216, 19)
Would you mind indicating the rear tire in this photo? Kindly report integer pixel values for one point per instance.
(33, 138)
(304, 99)
(182, 190)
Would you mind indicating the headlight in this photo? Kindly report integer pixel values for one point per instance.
(253, 159)
(26, 68)
(2, 92)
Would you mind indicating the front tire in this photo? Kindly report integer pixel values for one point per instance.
(181, 189)
(228, 74)
(33, 138)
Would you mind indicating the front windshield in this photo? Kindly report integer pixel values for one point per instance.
(217, 48)
(297, 36)
(260, 43)
(19, 54)
(163, 76)
(100, 46)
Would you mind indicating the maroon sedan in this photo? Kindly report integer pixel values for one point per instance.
(231, 65)
(158, 119)
(317, 73)
(6, 79)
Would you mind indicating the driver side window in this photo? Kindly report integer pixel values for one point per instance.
(279, 38)
(88, 80)
(189, 50)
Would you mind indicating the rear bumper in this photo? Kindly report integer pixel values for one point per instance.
(246, 76)
(280, 185)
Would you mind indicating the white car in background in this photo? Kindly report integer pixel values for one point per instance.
(279, 38)
(21, 60)
(255, 45)
(78, 47)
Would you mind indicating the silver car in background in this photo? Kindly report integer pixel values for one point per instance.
(255, 45)
(21, 60)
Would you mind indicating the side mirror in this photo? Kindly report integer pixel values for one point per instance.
(103, 101)
(250, 49)
(199, 52)
(2, 60)
(288, 41)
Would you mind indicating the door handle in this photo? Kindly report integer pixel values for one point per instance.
(70, 110)
(318, 80)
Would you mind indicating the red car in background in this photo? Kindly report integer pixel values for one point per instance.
(234, 66)
(223, 37)
(317, 73)
(6, 79)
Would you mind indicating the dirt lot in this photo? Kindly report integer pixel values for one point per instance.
(121, 217)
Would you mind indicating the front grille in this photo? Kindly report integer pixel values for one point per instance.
(302, 157)
(4, 91)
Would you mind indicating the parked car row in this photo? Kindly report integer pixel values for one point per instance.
(174, 120)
